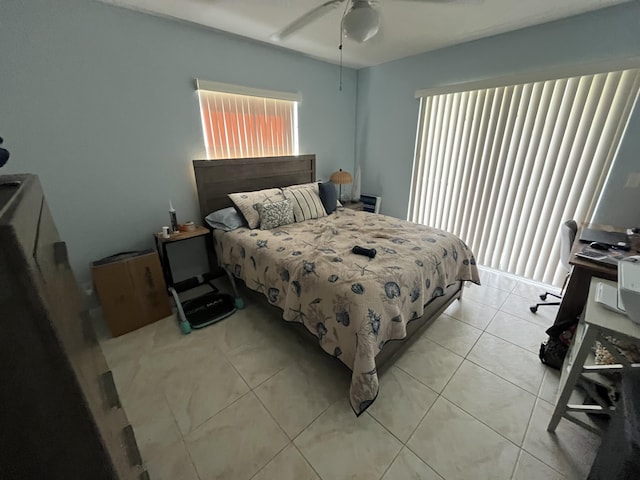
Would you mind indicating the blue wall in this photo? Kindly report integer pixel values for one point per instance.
(100, 103)
(387, 110)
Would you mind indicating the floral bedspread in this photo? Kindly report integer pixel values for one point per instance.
(351, 303)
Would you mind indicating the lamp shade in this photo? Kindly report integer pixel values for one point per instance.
(341, 177)
(361, 22)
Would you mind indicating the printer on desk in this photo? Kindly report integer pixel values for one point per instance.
(629, 286)
(626, 298)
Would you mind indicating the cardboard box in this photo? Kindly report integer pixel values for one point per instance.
(131, 289)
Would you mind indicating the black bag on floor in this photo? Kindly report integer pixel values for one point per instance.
(553, 351)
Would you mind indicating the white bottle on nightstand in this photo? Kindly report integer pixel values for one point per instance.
(172, 218)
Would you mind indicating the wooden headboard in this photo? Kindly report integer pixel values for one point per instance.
(215, 179)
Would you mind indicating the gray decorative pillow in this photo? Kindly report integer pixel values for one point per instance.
(226, 219)
(246, 201)
(275, 214)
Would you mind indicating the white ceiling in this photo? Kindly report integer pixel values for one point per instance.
(408, 27)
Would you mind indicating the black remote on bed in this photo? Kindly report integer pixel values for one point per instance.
(367, 252)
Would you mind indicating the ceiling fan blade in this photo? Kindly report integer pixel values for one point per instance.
(306, 19)
(441, 1)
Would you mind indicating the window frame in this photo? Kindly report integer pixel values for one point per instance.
(237, 142)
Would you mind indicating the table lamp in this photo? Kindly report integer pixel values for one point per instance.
(341, 178)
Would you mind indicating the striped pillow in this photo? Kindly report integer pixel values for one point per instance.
(313, 185)
(306, 202)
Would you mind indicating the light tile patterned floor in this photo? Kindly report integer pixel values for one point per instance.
(249, 399)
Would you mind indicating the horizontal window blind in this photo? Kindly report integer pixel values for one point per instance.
(504, 167)
(237, 126)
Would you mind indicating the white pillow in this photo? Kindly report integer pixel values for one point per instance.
(306, 202)
(245, 202)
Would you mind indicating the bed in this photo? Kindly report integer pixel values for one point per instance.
(355, 307)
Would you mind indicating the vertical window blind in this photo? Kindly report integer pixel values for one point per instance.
(504, 167)
(236, 126)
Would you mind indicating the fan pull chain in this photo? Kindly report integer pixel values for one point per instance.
(340, 48)
(346, 7)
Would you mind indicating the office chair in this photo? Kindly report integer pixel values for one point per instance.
(568, 232)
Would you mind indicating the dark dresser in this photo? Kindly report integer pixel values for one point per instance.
(60, 415)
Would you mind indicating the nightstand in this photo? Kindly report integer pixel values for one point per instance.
(354, 206)
(204, 301)
(161, 246)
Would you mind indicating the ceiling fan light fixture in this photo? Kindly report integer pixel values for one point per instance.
(361, 22)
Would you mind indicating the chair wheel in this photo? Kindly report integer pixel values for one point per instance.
(543, 297)
(533, 308)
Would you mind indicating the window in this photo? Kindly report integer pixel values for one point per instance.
(240, 122)
(503, 167)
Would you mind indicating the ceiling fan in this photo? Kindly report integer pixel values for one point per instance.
(360, 22)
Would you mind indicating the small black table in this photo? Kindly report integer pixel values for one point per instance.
(161, 246)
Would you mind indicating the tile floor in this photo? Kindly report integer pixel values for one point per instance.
(249, 399)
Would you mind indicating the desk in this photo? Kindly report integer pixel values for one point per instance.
(575, 295)
(596, 322)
